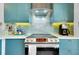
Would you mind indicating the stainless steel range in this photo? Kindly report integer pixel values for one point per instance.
(42, 38)
(42, 44)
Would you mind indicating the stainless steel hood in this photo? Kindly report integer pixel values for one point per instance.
(40, 20)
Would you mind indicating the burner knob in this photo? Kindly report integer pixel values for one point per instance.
(27, 40)
(56, 40)
(31, 40)
(51, 40)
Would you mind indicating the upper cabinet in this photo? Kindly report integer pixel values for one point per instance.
(19, 12)
(63, 12)
(16, 12)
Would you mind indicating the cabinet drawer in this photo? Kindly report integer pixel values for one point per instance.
(65, 47)
(68, 47)
(15, 47)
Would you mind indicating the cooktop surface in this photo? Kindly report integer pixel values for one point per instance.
(42, 36)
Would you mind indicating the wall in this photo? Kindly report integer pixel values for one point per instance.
(1, 18)
(16, 12)
(76, 19)
(63, 12)
(1, 12)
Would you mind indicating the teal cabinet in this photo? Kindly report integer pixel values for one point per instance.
(16, 12)
(19, 12)
(0, 46)
(15, 47)
(63, 12)
(69, 47)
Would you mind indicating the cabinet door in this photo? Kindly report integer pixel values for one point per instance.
(78, 46)
(15, 47)
(69, 46)
(65, 47)
(0, 46)
(63, 12)
(74, 46)
(16, 12)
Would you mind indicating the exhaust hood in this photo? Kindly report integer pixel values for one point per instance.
(40, 21)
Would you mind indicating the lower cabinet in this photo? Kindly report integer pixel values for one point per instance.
(69, 47)
(15, 47)
(0, 46)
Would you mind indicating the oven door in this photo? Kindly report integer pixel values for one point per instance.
(26, 50)
(42, 49)
(47, 50)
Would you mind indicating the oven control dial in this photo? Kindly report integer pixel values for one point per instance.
(30, 40)
(53, 40)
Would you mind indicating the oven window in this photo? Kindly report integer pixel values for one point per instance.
(47, 51)
(26, 50)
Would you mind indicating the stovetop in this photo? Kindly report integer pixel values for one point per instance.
(42, 36)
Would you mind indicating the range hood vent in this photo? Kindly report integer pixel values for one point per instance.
(41, 5)
(40, 21)
(40, 15)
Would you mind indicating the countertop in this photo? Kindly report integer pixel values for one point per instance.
(66, 37)
(1, 38)
(24, 36)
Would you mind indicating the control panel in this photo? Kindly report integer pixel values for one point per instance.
(53, 40)
(30, 40)
(42, 40)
